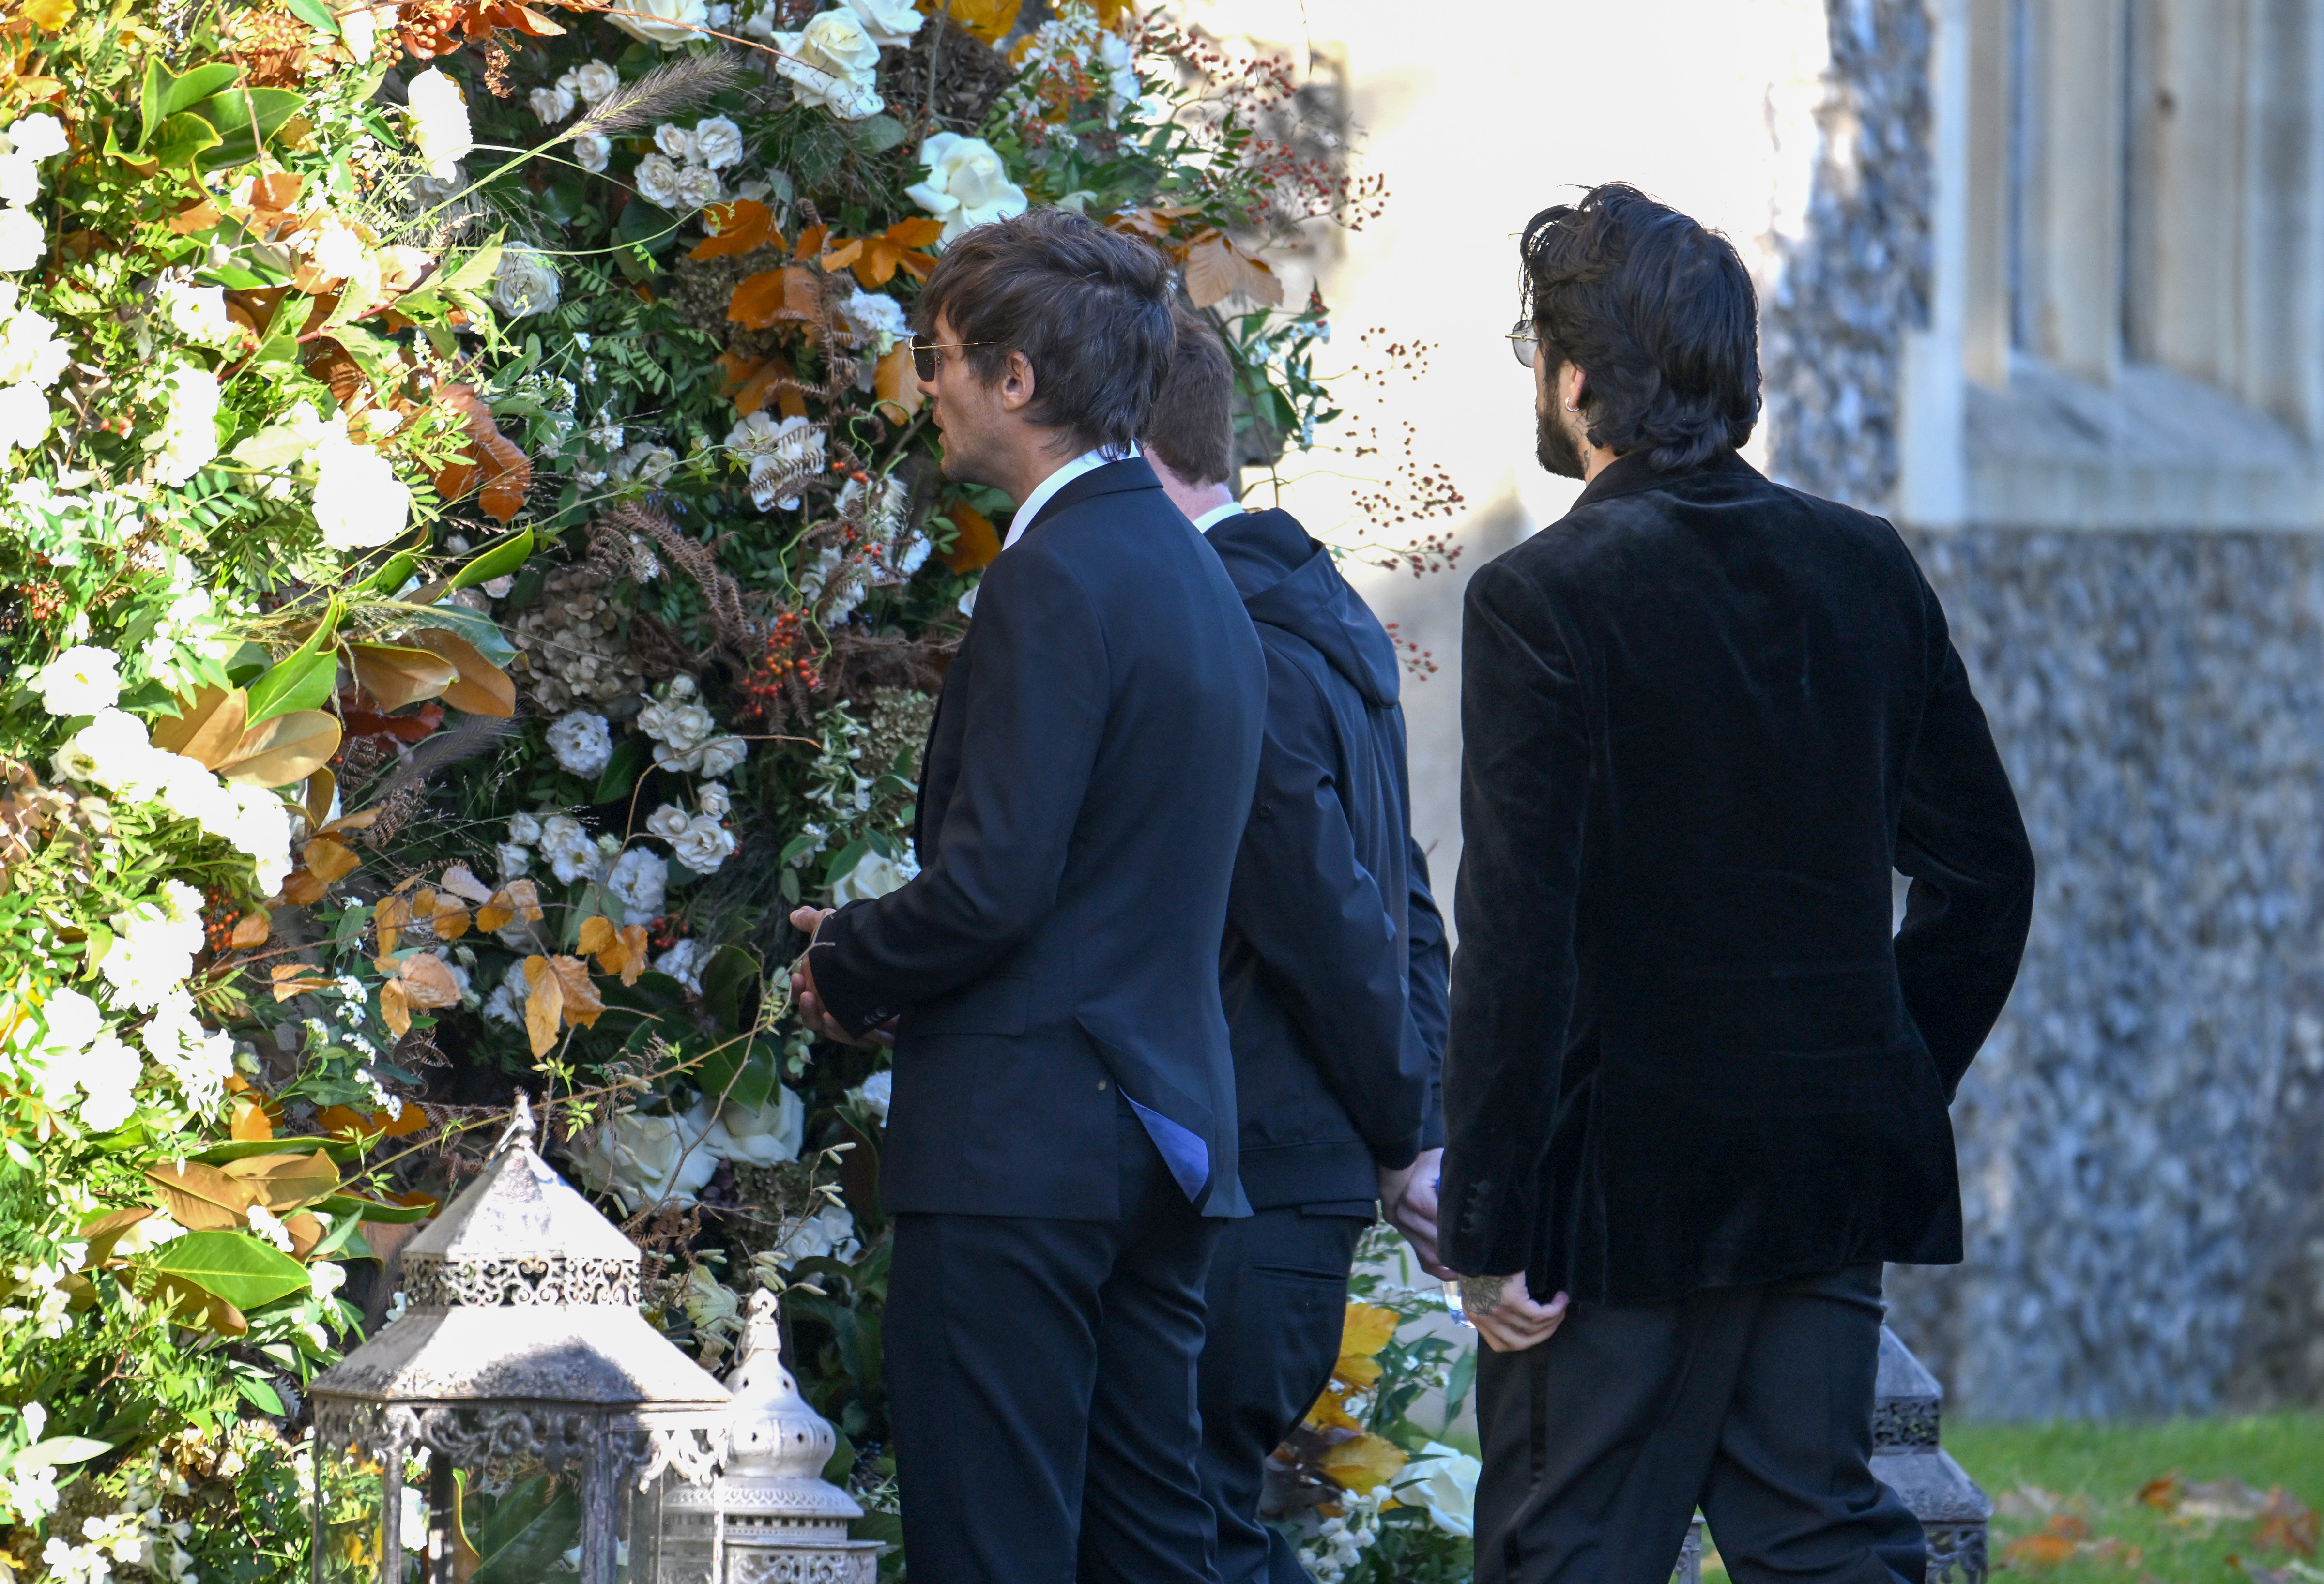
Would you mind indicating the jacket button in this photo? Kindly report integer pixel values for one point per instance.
(1100, 1084)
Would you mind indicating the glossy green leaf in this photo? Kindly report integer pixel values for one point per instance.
(621, 770)
(495, 561)
(477, 628)
(741, 1073)
(183, 138)
(315, 15)
(246, 1271)
(245, 118)
(303, 681)
(729, 989)
(260, 1396)
(371, 1210)
(345, 1151)
(165, 93)
(392, 576)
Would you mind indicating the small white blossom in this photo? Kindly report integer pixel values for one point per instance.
(582, 741)
(81, 681)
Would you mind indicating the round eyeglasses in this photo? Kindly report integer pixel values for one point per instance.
(1524, 342)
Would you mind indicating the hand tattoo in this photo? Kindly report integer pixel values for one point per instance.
(1482, 1294)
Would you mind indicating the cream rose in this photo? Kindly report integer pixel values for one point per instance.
(767, 1136)
(649, 1160)
(887, 21)
(592, 151)
(667, 23)
(833, 62)
(966, 184)
(439, 121)
(658, 179)
(718, 142)
(359, 503)
(525, 282)
(593, 81)
(552, 104)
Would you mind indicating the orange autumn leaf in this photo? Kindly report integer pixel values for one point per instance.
(423, 981)
(518, 898)
(811, 242)
(989, 20)
(251, 929)
(296, 979)
(1367, 1329)
(390, 915)
(544, 1004)
(249, 1121)
(736, 228)
(597, 933)
(621, 950)
(1218, 268)
(330, 859)
(1364, 1464)
(895, 381)
(876, 259)
(977, 543)
(583, 1004)
(772, 378)
(771, 296)
(501, 465)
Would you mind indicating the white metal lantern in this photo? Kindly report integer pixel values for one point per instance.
(521, 1348)
(770, 1516)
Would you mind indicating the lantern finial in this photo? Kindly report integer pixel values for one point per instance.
(520, 1130)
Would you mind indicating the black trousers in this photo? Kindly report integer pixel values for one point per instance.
(1278, 1296)
(1041, 1382)
(1752, 1402)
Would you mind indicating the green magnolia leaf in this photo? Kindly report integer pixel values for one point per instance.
(315, 15)
(519, 1537)
(260, 1396)
(371, 1210)
(183, 138)
(622, 771)
(345, 1151)
(730, 986)
(392, 576)
(646, 226)
(743, 1073)
(245, 118)
(498, 561)
(303, 681)
(166, 93)
(56, 1451)
(880, 134)
(246, 1271)
(474, 626)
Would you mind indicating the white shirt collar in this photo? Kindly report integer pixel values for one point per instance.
(1030, 507)
(1218, 514)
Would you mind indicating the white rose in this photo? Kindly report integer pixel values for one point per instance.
(640, 881)
(108, 1071)
(767, 1136)
(199, 312)
(676, 141)
(718, 142)
(113, 751)
(25, 417)
(714, 801)
(698, 186)
(525, 282)
(81, 681)
(667, 822)
(523, 828)
(682, 962)
(648, 1160)
(682, 727)
(593, 81)
(1444, 1479)
(70, 1021)
(877, 1092)
(187, 442)
(721, 754)
(831, 1232)
(705, 845)
(590, 151)
(887, 21)
(966, 184)
(512, 860)
(20, 179)
(582, 742)
(873, 875)
(833, 62)
(552, 105)
(359, 503)
(438, 123)
(31, 354)
(23, 244)
(37, 137)
(667, 23)
(571, 854)
(657, 180)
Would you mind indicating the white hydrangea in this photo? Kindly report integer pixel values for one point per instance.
(25, 414)
(198, 1060)
(188, 440)
(571, 854)
(23, 244)
(153, 945)
(830, 1231)
(683, 962)
(877, 317)
(108, 1073)
(877, 1092)
(639, 880)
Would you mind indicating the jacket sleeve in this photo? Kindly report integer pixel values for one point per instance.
(1525, 784)
(1962, 842)
(1317, 917)
(1035, 705)
(1429, 967)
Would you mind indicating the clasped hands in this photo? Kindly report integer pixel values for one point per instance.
(811, 1009)
(1499, 1307)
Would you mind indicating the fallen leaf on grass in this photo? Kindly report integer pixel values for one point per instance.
(2286, 1523)
(2058, 1541)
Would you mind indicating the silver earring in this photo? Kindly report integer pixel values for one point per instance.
(1570, 408)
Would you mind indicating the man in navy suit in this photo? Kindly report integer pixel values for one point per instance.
(1061, 1145)
(1333, 971)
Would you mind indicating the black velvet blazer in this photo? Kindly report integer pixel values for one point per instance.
(1704, 717)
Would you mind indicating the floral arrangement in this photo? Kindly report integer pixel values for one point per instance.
(472, 557)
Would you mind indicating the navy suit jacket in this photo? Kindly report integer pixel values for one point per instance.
(1084, 789)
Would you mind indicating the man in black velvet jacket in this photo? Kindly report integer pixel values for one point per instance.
(1695, 1092)
(1062, 1140)
(1333, 971)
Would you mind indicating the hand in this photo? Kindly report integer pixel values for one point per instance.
(811, 1009)
(1408, 1200)
(1506, 1315)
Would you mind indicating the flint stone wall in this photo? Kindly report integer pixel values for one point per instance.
(2142, 1141)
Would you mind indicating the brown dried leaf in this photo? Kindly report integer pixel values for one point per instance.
(1216, 270)
(462, 882)
(208, 727)
(583, 1006)
(481, 688)
(296, 979)
(203, 1198)
(288, 748)
(328, 860)
(544, 1006)
(396, 676)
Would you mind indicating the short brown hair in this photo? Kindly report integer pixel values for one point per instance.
(1089, 308)
(1192, 426)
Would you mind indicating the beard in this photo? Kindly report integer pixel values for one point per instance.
(1554, 446)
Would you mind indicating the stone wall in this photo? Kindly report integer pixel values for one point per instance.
(2143, 1140)
(2140, 1139)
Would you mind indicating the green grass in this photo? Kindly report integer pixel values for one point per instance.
(2095, 1472)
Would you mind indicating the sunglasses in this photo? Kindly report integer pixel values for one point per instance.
(927, 356)
(1522, 341)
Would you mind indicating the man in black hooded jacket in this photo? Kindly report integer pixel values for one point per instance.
(1333, 971)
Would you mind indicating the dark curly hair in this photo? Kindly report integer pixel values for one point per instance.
(1660, 314)
(1089, 308)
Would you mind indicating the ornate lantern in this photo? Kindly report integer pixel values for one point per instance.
(522, 1349)
(770, 1516)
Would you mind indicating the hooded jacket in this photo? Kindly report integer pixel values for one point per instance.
(1333, 966)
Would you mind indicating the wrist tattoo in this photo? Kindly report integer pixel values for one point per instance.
(1482, 1294)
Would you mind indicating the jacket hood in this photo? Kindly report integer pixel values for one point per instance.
(1288, 581)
